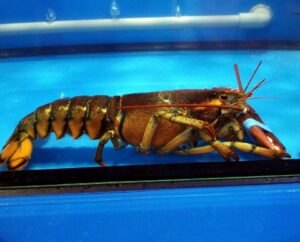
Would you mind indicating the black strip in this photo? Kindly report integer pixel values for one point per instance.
(149, 177)
(80, 188)
(210, 170)
(152, 46)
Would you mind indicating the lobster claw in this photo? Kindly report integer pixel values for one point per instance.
(254, 125)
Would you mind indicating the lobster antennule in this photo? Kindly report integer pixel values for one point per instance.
(254, 88)
(252, 76)
(237, 74)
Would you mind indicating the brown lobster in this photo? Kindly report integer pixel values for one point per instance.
(160, 121)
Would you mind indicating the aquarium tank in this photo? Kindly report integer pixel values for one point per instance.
(148, 120)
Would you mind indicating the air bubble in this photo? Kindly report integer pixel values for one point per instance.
(178, 11)
(114, 9)
(50, 15)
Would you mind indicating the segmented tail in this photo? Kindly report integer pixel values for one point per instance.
(75, 116)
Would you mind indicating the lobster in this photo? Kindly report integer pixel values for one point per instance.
(163, 122)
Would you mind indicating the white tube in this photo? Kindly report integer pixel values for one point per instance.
(258, 17)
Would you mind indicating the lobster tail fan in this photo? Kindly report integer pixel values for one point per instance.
(17, 151)
(9, 148)
(8, 151)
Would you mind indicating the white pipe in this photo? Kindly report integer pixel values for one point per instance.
(258, 17)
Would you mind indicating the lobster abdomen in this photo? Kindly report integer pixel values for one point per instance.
(75, 116)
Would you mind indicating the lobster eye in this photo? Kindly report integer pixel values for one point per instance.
(224, 96)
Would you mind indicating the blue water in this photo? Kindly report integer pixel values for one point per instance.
(27, 83)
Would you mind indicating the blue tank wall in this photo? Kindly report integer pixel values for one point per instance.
(247, 214)
(284, 25)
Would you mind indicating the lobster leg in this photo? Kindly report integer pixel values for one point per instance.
(247, 147)
(225, 151)
(109, 135)
(232, 129)
(242, 146)
(173, 144)
(207, 131)
(145, 144)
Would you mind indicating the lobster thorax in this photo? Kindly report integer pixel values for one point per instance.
(201, 104)
(221, 96)
(218, 96)
(215, 102)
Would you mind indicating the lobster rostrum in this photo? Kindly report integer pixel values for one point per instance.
(159, 121)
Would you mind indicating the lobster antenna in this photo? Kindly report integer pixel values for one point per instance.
(237, 74)
(262, 97)
(253, 74)
(185, 105)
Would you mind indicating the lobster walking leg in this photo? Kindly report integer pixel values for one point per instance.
(196, 150)
(231, 129)
(225, 151)
(242, 146)
(247, 147)
(207, 131)
(145, 145)
(103, 140)
(196, 123)
(173, 144)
